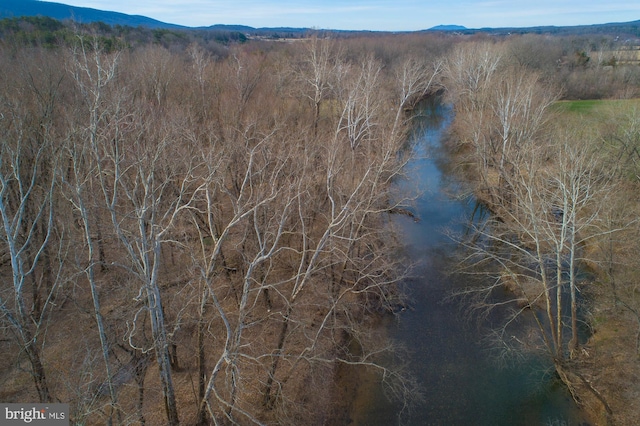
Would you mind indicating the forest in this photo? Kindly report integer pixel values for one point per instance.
(196, 227)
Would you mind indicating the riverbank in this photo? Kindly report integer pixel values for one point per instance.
(462, 381)
(609, 361)
(604, 375)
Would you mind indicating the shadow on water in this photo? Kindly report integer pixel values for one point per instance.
(463, 382)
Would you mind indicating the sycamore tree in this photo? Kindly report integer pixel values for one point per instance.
(144, 180)
(31, 238)
(290, 224)
(547, 193)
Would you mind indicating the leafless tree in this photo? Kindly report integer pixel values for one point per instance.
(78, 189)
(578, 191)
(203, 222)
(547, 207)
(215, 227)
(28, 174)
(290, 230)
(143, 189)
(321, 65)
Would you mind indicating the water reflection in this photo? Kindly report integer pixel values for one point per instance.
(464, 383)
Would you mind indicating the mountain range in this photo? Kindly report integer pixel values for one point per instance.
(59, 11)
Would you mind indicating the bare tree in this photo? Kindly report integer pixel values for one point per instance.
(290, 237)
(215, 227)
(578, 191)
(28, 173)
(469, 76)
(143, 190)
(321, 65)
(550, 208)
(537, 203)
(79, 185)
(155, 191)
(203, 222)
(337, 244)
(93, 71)
(416, 79)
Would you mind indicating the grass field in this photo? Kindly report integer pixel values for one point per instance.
(596, 105)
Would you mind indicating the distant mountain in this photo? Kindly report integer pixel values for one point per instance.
(225, 27)
(447, 28)
(623, 29)
(255, 31)
(61, 12)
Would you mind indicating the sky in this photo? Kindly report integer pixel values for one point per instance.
(374, 15)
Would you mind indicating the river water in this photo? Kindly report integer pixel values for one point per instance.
(463, 381)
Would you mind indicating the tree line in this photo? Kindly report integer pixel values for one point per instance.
(192, 239)
(558, 187)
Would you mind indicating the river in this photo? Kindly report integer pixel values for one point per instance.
(464, 382)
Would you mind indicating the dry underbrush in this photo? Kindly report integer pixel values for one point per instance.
(610, 362)
(76, 373)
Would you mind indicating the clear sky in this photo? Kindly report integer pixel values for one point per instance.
(375, 15)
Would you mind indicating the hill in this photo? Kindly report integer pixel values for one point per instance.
(59, 11)
(448, 28)
(622, 29)
(85, 15)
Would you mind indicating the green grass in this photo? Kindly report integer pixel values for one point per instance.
(590, 106)
(579, 106)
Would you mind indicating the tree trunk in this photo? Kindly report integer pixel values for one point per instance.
(574, 343)
(141, 371)
(269, 399)
(161, 347)
(37, 369)
(202, 369)
(102, 257)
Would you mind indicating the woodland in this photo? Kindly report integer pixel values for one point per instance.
(196, 227)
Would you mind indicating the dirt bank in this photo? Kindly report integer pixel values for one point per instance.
(610, 362)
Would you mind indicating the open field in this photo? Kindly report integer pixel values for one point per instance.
(595, 106)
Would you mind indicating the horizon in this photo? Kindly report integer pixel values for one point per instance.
(380, 15)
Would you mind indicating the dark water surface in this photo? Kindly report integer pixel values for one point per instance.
(463, 381)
